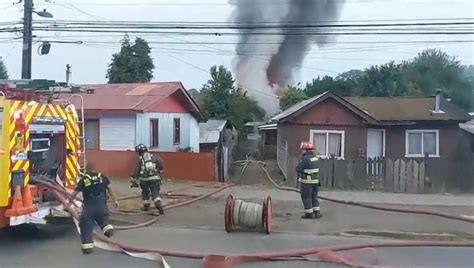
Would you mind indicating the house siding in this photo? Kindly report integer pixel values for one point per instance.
(451, 139)
(117, 133)
(189, 131)
(328, 115)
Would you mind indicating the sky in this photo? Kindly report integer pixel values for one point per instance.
(177, 61)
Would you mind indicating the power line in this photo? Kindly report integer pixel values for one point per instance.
(231, 26)
(207, 72)
(251, 33)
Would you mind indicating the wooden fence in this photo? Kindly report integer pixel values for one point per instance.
(381, 174)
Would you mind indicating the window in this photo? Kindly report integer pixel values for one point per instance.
(176, 131)
(328, 143)
(154, 133)
(375, 143)
(92, 134)
(40, 145)
(421, 142)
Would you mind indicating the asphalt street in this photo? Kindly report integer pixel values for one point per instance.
(59, 246)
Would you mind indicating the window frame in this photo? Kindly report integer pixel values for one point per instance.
(421, 131)
(327, 132)
(157, 145)
(176, 138)
(92, 120)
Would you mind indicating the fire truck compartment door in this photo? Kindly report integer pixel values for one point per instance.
(43, 128)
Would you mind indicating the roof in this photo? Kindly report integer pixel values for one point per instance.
(268, 127)
(254, 124)
(468, 126)
(300, 107)
(209, 132)
(383, 109)
(134, 97)
(408, 108)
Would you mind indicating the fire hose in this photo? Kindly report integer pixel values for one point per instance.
(358, 204)
(304, 254)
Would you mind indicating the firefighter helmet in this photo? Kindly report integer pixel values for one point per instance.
(140, 148)
(307, 146)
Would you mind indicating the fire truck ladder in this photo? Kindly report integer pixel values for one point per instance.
(82, 136)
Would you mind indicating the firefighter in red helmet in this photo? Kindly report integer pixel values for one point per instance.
(308, 176)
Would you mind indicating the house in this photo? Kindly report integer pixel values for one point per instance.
(469, 128)
(162, 116)
(219, 137)
(268, 132)
(251, 130)
(370, 127)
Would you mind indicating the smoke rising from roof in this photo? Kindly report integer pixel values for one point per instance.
(270, 67)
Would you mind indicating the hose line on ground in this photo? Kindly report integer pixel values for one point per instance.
(324, 253)
(352, 203)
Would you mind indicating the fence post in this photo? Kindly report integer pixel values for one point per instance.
(388, 179)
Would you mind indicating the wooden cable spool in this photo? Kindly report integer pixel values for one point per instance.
(241, 215)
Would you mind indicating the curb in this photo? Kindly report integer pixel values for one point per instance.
(410, 235)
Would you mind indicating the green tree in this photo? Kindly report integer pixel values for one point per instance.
(3, 70)
(433, 69)
(132, 64)
(221, 100)
(291, 97)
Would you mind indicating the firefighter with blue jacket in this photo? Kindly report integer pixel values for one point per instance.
(94, 188)
(308, 177)
(147, 175)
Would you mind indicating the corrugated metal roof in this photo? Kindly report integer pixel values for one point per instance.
(209, 132)
(131, 97)
(268, 127)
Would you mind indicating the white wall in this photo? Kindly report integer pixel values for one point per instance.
(189, 131)
(117, 133)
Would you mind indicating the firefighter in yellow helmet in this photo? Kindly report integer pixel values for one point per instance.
(308, 176)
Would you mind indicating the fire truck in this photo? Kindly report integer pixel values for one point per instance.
(41, 134)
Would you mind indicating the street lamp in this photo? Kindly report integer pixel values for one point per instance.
(44, 14)
(28, 11)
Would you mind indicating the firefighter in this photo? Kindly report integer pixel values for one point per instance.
(308, 177)
(148, 176)
(94, 188)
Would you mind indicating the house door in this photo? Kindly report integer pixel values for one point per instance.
(375, 143)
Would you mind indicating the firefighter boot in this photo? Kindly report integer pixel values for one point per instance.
(308, 216)
(86, 251)
(108, 230)
(145, 207)
(159, 206)
(317, 214)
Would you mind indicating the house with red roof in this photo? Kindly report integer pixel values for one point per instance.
(162, 116)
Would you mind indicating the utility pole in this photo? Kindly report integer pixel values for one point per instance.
(27, 39)
(68, 74)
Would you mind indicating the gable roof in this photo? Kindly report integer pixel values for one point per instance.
(135, 97)
(209, 132)
(303, 106)
(383, 110)
(408, 108)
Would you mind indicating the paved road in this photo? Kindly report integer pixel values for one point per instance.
(58, 246)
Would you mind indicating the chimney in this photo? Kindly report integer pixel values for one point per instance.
(437, 108)
(68, 74)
